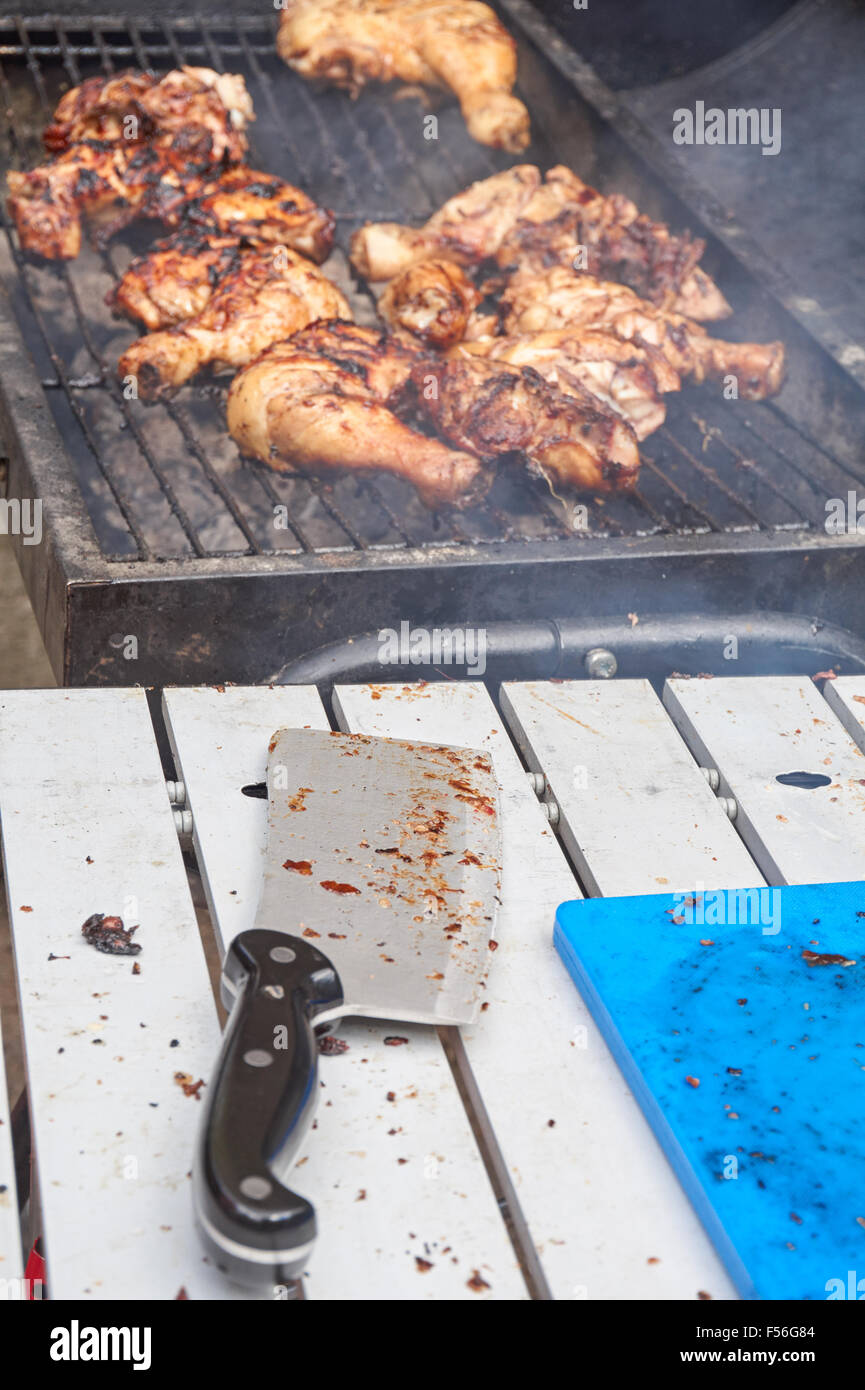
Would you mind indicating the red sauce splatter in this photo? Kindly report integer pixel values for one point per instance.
(333, 887)
(299, 866)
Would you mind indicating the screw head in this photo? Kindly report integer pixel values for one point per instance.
(283, 955)
(600, 664)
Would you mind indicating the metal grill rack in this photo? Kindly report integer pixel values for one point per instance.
(163, 499)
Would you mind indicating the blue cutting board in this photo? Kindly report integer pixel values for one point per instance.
(770, 1145)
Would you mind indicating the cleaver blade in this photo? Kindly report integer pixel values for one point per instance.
(380, 889)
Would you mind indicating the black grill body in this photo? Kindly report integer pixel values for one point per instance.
(156, 530)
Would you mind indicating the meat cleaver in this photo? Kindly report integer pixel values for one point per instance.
(379, 897)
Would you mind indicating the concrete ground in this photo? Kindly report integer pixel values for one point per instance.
(23, 665)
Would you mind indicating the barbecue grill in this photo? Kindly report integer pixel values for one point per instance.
(221, 570)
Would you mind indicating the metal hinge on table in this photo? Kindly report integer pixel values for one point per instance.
(713, 777)
(182, 814)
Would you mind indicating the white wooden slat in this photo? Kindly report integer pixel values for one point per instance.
(87, 828)
(376, 1214)
(11, 1262)
(753, 729)
(599, 1198)
(846, 696)
(636, 814)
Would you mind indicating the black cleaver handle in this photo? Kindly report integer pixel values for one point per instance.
(259, 1104)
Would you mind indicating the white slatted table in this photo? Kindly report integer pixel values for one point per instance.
(527, 1106)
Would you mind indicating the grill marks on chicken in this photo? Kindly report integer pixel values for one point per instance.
(327, 400)
(176, 279)
(139, 106)
(578, 330)
(494, 409)
(166, 148)
(456, 44)
(570, 224)
(109, 185)
(562, 299)
(529, 224)
(627, 378)
(330, 397)
(259, 207)
(267, 295)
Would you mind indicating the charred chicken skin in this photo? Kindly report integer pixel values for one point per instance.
(107, 184)
(138, 106)
(571, 440)
(623, 376)
(567, 223)
(563, 299)
(176, 280)
(110, 185)
(456, 44)
(527, 224)
(325, 400)
(242, 202)
(432, 301)
(269, 295)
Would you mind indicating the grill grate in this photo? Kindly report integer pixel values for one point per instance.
(166, 483)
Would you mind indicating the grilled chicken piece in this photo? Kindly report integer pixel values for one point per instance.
(324, 400)
(270, 295)
(466, 229)
(433, 301)
(432, 43)
(495, 409)
(620, 243)
(109, 184)
(136, 106)
(624, 376)
(560, 298)
(242, 202)
(176, 280)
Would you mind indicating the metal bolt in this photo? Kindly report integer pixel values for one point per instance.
(283, 955)
(712, 776)
(729, 805)
(176, 793)
(182, 821)
(537, 782)
(600, 664)
(551, 811)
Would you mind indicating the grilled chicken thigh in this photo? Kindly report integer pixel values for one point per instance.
(435, 43)
(466, 229)
(567, 223)
(175, 280)
(624, 376)
(571, 440)
(560, 298)
(108, 184)
(269, 295)
(324, 400)
(242, 202)
(136, 106)
(528, 225)
(433, 301)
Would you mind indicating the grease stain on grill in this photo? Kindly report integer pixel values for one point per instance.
(808, 781)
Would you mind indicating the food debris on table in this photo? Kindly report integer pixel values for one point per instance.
(109, 935)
